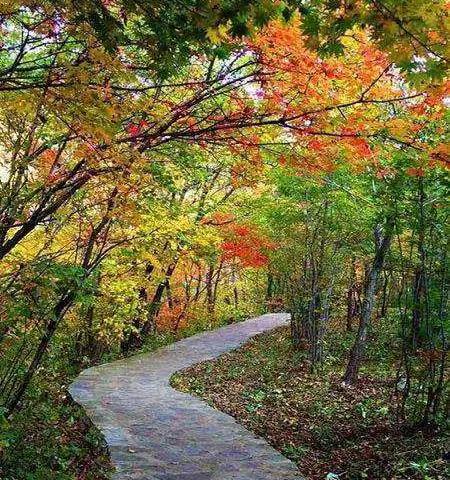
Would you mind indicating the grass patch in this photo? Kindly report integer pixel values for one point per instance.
(51, 438)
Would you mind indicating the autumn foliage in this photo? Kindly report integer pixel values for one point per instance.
(170, 169)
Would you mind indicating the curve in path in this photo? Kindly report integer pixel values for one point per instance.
(157, 433)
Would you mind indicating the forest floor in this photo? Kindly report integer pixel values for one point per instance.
(267, 386)
(52, 439)
(332, 432)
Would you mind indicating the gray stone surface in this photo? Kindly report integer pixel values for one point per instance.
(157, 433)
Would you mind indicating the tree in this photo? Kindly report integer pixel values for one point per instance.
(96, 121)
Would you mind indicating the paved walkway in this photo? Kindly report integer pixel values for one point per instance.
(157, 433)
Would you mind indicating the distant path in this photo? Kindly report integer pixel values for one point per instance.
(157, 433)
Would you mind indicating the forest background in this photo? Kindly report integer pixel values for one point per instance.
(169, 167)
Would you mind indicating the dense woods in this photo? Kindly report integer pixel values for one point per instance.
(170, 167)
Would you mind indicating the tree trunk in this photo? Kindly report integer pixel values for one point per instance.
(420, 281)
(89, 345)
(384, 297)
(155, 305)
(352, 298)
(382, 244)
(235, 288)
(210, 291)
(59, 311)
(216, 284)
(418, 306)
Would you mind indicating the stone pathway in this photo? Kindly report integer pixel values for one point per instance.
(157, 433)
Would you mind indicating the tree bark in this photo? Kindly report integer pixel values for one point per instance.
(155, 305)
(352, 298)
(210, 290)
(420, 281)
(59, 311)
(385, 295)
(382, 244)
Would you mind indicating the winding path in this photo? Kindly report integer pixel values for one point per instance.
(157, 433)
